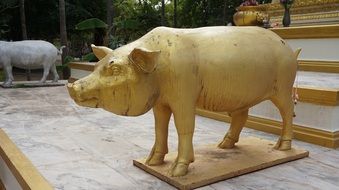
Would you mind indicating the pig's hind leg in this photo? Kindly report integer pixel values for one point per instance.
(55, 73)
(47, 64)
(47, 67)
(285, 105)
(232, 136)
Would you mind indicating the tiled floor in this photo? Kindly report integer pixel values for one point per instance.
(90, 149)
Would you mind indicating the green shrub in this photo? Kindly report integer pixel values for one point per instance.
(89, 57)
(67, 60)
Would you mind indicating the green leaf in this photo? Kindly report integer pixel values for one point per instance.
(90, 24)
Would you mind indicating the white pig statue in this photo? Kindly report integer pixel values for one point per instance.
(29, 54)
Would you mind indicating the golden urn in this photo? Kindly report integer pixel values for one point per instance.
(250, 16)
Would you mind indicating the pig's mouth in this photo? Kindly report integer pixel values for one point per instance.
(91, 102)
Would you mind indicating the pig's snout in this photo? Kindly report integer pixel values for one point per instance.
(83, 95)
(82, 91)
(75, 91)
(71, 90)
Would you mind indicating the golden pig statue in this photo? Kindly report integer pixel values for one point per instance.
(173, 71)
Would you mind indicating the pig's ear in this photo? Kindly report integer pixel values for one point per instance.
(100, 51)
(144, 59)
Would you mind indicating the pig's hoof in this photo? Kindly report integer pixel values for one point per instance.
(227, 143)
(6, 85)
(283, 144)
(179, 169)
(155, 159)
(55, 79)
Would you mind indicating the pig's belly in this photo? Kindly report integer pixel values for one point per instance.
(232, 96)
(27, 63)
(228, 103)
(28, 66)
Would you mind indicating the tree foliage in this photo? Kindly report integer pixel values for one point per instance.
(132, 18)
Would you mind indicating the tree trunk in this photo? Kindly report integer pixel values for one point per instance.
(175, 14)
(224, 13)
(24, 32)
(63, 36)
(163, 12)
(109, 20)
(23, 20)
(206, 13)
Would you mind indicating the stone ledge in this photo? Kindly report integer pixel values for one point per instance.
(319, 66)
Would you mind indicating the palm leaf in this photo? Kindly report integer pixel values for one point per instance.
(91, 23)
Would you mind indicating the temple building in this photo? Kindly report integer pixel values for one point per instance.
(302, 13)
(306, 12)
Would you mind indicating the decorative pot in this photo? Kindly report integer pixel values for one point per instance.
(250, 16)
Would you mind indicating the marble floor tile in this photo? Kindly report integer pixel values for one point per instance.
(329, 158)
(85, 175)
(49, 148)
(136, 175)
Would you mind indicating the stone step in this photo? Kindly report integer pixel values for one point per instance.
(318, 88)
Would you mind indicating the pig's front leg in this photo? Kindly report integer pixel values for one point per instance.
(184, 118)
(162, 115)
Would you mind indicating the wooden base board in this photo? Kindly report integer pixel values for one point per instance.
(213, 164)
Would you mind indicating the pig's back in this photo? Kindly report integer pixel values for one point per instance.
(238, 66)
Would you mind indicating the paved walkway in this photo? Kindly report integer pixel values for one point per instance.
(90, 149)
